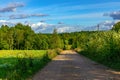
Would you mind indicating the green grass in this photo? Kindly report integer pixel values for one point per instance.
(15, 53)
(21, 64)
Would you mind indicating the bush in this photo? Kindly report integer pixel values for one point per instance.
(103, 47)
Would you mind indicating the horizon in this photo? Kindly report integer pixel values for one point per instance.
(65, 15)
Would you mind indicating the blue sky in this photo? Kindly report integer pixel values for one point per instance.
(72, 15)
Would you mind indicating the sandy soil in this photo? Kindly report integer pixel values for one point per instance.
(72, 66)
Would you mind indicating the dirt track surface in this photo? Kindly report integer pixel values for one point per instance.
(72, 66)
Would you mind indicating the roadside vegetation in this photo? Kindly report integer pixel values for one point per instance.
(21, 64)
(101, 46)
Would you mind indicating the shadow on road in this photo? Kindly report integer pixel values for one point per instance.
(72, 66)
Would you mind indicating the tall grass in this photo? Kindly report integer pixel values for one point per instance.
(19, 65)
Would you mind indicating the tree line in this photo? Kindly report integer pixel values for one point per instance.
(22, 37)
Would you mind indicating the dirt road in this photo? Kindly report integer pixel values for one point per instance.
(72, 66)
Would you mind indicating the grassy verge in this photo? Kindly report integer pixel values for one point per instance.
(21, 64)
(107, 60)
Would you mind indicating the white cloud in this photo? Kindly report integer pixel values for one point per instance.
(42, 27)
(106, 25)
(5, 22)
(48, 28)
(39, 24)
(63, 29)
(68, 28)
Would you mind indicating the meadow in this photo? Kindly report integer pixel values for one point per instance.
(21, 64)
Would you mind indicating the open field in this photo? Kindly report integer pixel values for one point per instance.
(21, 63)
(16, 53)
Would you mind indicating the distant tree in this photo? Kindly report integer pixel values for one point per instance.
(116, 27)
(4, 28)
(19, 26)
(28, 37)
(56, 42)
(10, 39)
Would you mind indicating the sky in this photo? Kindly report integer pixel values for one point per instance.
(65, 15)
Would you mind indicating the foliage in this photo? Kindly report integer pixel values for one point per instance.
(22, 37)
(56, 42)
(116, 27)
(20, 64)
(103, 47)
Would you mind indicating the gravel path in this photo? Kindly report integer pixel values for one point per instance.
(72, 66)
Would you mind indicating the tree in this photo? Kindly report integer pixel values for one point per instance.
(44, 45)
(10, 38)
(116, 27)
(4, 28)
(56, 42)
(28, 37)
(4, 45)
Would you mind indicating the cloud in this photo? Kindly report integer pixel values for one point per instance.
(48, 28)
(108, 23)
(42, 27)
(115, 15)
(5, 22)
(11, 7)
(69, 28)
(23, 16)
(63, 28)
